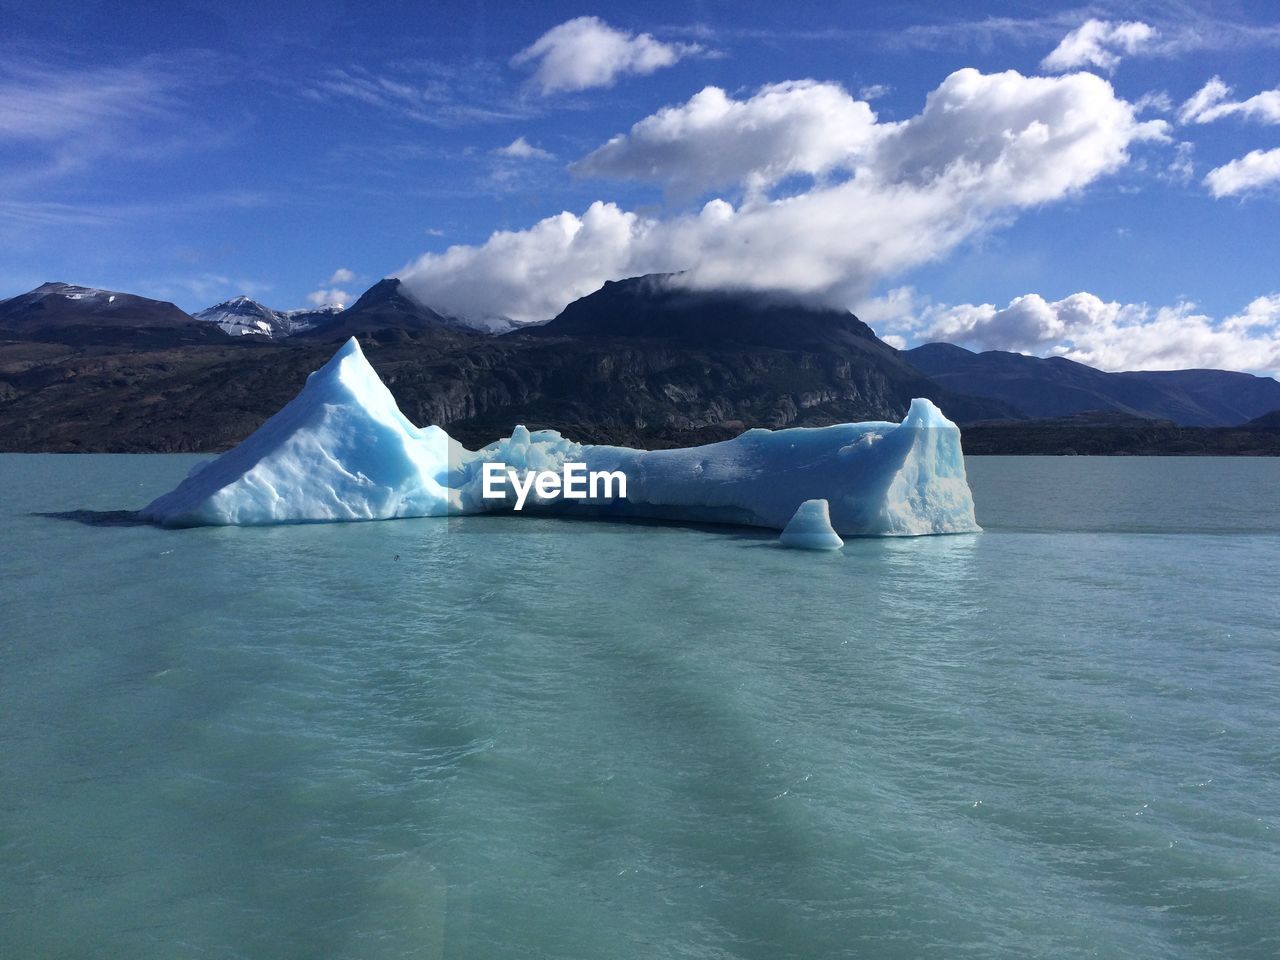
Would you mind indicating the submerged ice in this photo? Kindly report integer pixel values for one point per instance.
(342, 450)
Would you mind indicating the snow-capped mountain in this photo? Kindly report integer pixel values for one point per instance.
(385, 304)
(309, 318)
(242, 316)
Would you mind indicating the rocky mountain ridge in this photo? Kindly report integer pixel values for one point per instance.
(640, 362)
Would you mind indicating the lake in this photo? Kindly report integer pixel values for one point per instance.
(512, 737)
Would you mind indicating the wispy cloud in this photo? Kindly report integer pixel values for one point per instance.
(1210, 103)
(422, 91)
(203, 288)
(1183, 27)
(108, 214)
(66, 118)
(1099, 43)
(40, 213)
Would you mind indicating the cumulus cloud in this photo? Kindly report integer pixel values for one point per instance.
(529, 274)
(522, 149)
(984, 147)
(1098, 43)
(714, 141)
(325, 298)
(1254, 171)
(586, 52)
(1084, 327)
(1210, 103)
(341, 275)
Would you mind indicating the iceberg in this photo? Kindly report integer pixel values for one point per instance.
(342, 450)
(810, 528)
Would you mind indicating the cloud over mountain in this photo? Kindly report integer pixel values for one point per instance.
(586, 52)
(877, 197)
(1084, 327)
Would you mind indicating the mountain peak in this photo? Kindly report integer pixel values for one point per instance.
(388, 290)
(657, 306)
(244, 316)
(55, 304)
(387, 305)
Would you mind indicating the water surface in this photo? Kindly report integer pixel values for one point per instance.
(513, 737)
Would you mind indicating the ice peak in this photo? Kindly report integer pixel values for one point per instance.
(348, 364)
(925, 413)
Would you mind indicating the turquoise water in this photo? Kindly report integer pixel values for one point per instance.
(533, 738)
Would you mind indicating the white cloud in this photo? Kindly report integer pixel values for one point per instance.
(341, 275)
(324, 298)
(1253, 171)
(1210, 103)
(529, 274)
(874, 91)
(714, 141)
(984, 147)
(522, 149)
(1095, 44)
(1086, 328)
(586, 52)
(1203, 100)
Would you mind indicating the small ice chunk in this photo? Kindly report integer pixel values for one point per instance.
(810, 528)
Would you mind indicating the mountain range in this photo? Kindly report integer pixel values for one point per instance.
(642, 362)
(1058, 387)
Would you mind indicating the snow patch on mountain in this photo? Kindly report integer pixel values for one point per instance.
(242, 316)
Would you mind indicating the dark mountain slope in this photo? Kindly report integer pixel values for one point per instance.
(53, 306)
(1227, 396)
(655, 307)
(383, 307)
(818, 356)
(1057, 387)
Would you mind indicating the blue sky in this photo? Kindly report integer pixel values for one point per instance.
(193, 151)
